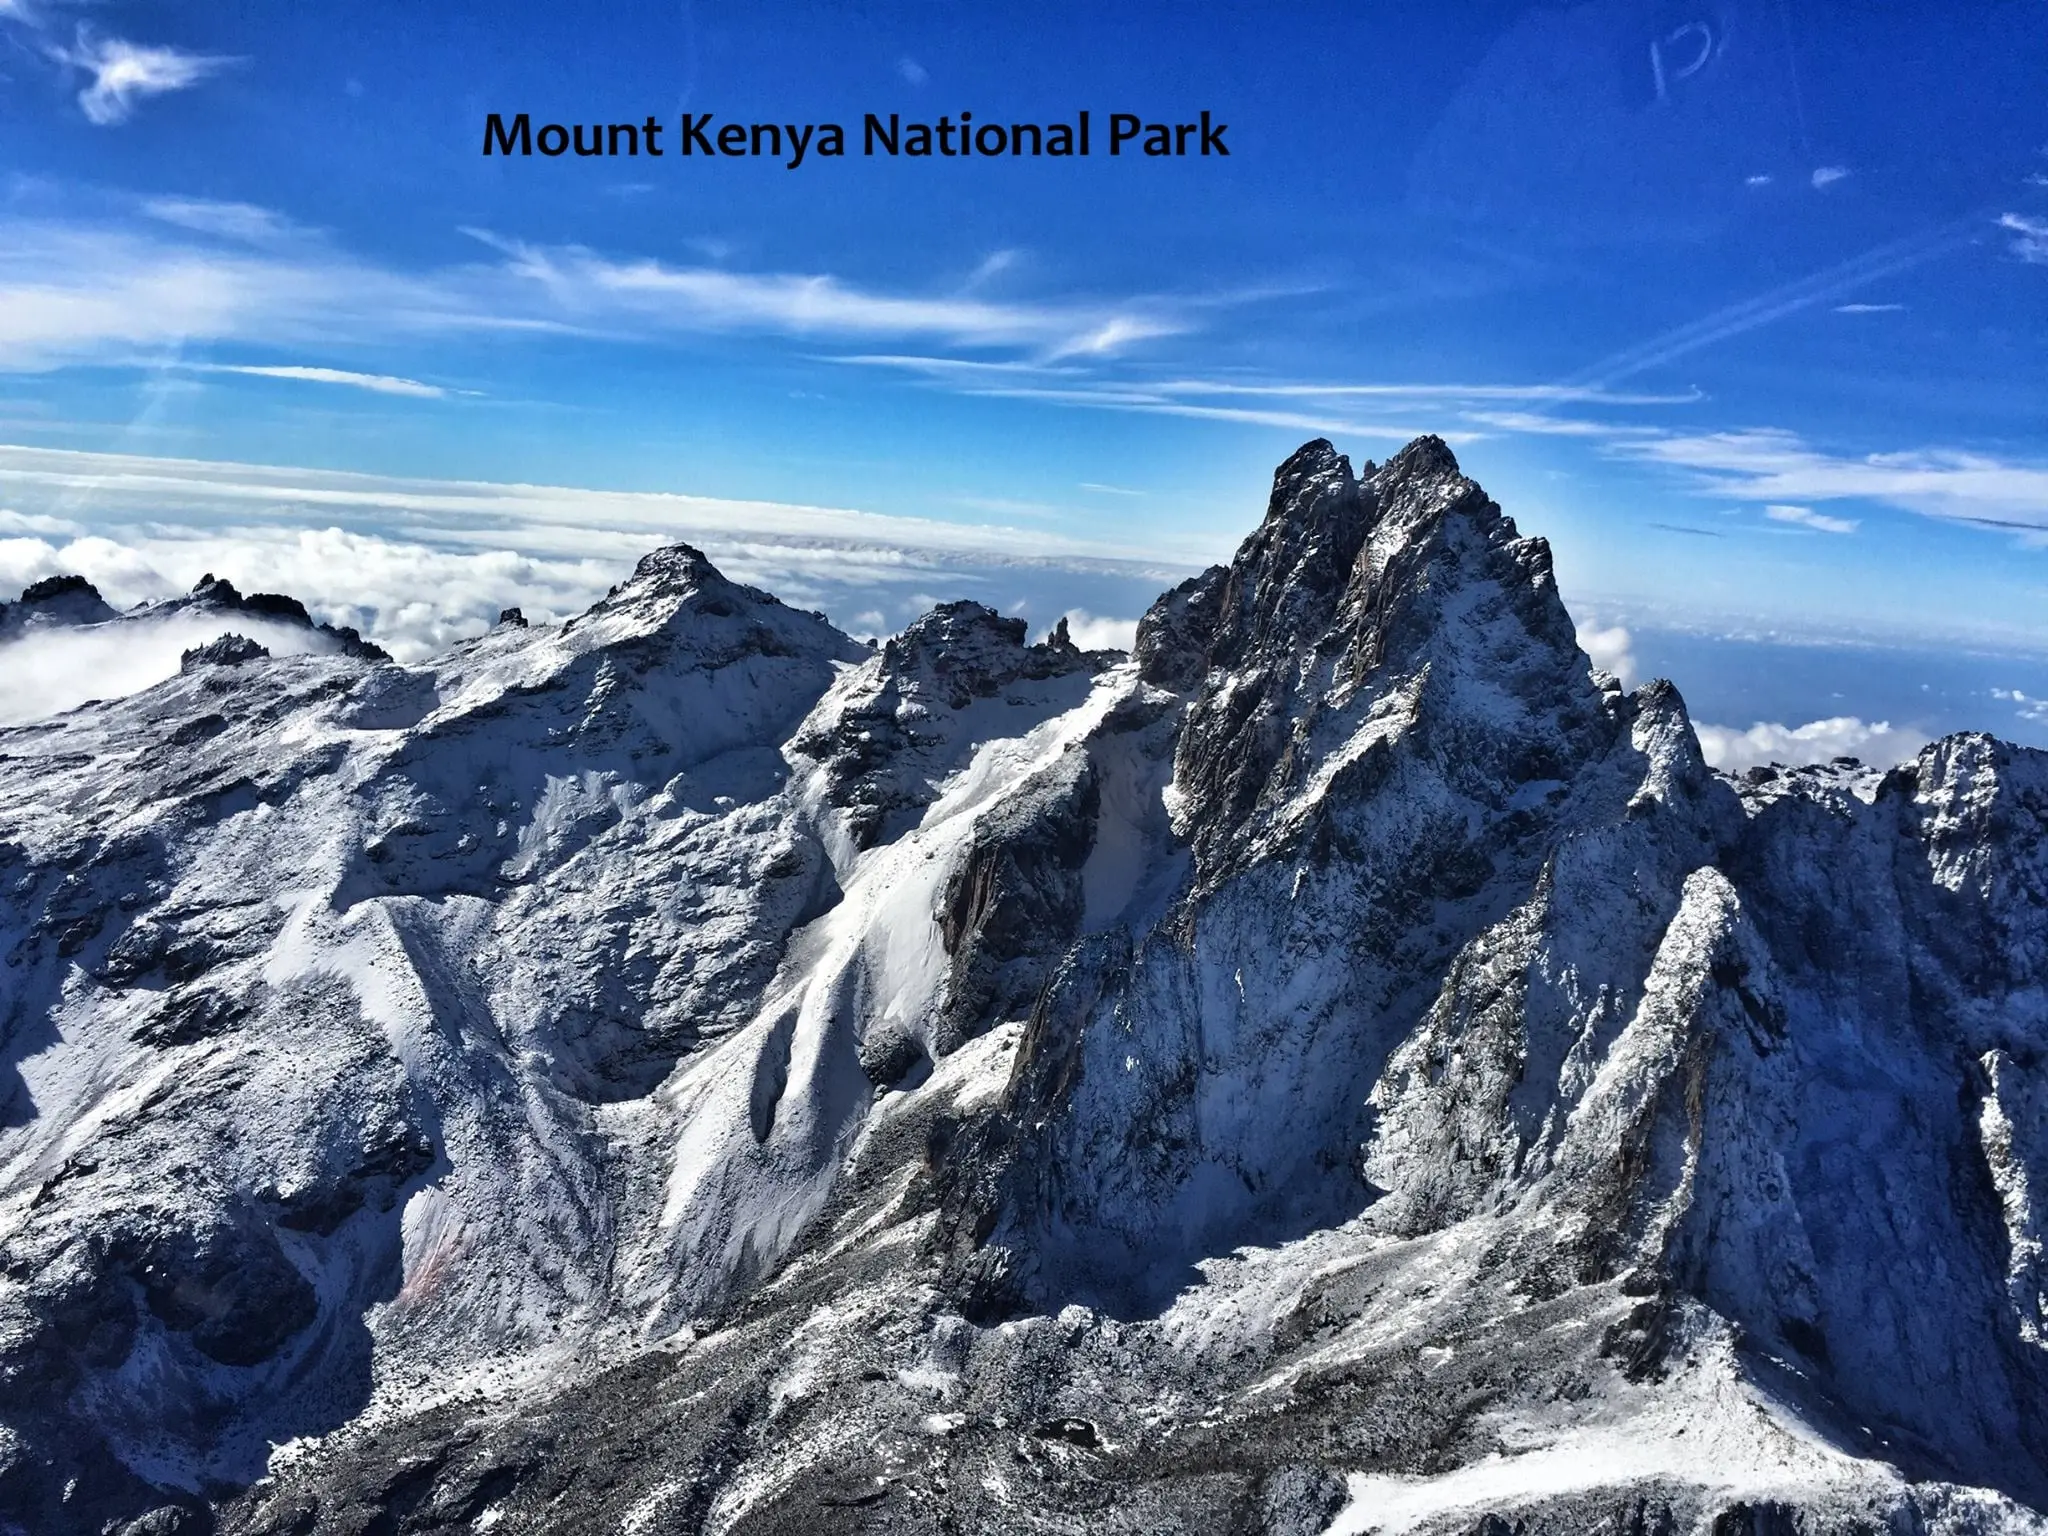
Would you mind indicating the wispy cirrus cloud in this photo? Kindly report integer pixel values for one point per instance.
(603, 290)
(125, 73)
(1806, 517)
(93, 292)
(376, 383)
(244, 222)
(1777, 467)
(1257, 388)
(1148, 401)
(191, 272)
(1823, 287)
(2029, 237)
(1371, 410)
(120, 73)
(1542, 424)
(1456, 393)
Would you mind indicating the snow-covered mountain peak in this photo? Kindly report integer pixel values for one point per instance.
(894, 728)
(1424, 460)
(229, 650)
(962, 651)
(1342, 1067)
(667, 577)
(1402, 611)
(678, 596)
(214, 595)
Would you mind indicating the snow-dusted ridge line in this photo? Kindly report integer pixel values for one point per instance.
(1343, 1066)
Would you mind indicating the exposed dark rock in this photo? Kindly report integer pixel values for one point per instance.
(227, 651)
(217, 594)
(55, 601)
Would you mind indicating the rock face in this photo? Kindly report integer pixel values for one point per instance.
(72, 602)
(1347, 1066)
(215, 594)
(54, 602)
(227, 651)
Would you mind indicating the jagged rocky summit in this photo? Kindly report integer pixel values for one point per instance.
(1347, 1066)
(54, 601)
(72, 602)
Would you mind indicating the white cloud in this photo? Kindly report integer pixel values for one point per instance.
(1538, 424)
(139, 486)
(93, 292)
(1818, 741)
(1111, 336)
(1091, 632)
(2035, 709)
(1756, 181)
(1338, 410)
(20, 522)
(912, 71)
(584, 285)
(89, 291)
(1550, 393)
(377, 383)
(1828, 175)
(1145, 400)
(57, 669)
(230, 221)
(991, 265)
(2030, 237)
(1398, 395)
(959, 367)
(124, 73)
(123, 576)
(1806, 517)
(1773, 466)
(430, 561)
(1868, 309)
(1823, 287)
(1610, 651)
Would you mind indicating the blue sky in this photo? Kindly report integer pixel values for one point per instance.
(1741, 304)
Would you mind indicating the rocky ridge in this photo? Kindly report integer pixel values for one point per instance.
(72, 602)
(1347, 1066)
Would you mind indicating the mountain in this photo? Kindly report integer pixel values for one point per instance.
(56, 601)
(1346, 1066)
(72, 602)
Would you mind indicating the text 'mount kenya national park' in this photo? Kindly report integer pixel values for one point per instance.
(1314, 803)
(695, 135)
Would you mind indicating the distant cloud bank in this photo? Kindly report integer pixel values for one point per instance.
(1818, 741)
(424, 563)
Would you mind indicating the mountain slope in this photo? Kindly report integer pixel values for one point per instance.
(1347, 1065)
